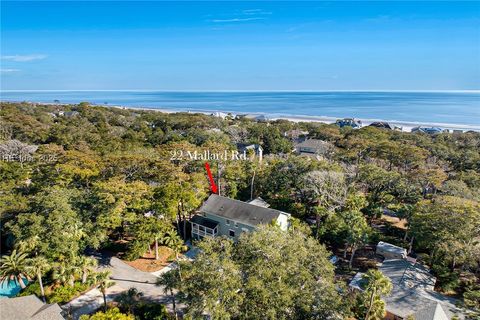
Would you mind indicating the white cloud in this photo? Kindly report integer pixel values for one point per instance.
(24, 58)
(236, 19)
(8, 70)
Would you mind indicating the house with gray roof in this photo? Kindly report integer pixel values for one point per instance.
(222, 216)
(29, 308)
(251, 150)
(413, 293)
(315, 147)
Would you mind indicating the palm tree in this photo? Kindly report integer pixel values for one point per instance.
(129, 299)
(170, 281)
(158, 231)
(376, 285)
(174, 242)
(87, 266)
(36, 267)
(65, 273)
(14, 267)
(104, 282)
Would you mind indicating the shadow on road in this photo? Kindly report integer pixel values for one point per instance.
(130, 280)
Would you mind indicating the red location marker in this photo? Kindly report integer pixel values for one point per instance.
(213, 186)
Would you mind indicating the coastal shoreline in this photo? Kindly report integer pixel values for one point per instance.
(406, 126)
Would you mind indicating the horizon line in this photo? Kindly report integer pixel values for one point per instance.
(246, 91)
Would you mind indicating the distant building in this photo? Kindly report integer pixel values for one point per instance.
(221, 216)
(427, 130)
(255, 149)
(314, 146)
(384, 125)
(29, 308)
(222, 115)
(349, 122)
(295, 134)
(68, 114)
(390, 251)
(254, 117)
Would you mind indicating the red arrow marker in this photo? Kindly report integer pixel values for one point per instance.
(213, 186)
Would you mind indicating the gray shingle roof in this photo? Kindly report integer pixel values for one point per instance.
(28, 308)
(413, 292)
(312, 143)
(239, 211)
(259, 202)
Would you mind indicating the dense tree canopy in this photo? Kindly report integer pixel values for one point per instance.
(87, 180)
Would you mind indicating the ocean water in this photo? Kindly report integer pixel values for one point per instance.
(460, 109)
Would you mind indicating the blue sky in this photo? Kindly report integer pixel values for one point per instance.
(240, 45)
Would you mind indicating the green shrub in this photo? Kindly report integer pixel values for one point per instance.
(151, 311)
(111, 314)
(135, 250)
(32, 288)
(472, 299)
(447, 280)
(64, 294)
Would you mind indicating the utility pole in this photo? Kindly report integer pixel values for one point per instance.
(218, 177)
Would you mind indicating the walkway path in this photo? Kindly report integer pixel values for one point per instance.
(125, 277)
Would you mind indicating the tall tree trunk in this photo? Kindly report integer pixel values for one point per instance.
(156, 249)
(410, 246)
(84, 276)
(21, 283)
(178, 264)
(104, 301)
(184, 227)
(406, 235)
(345, 251)
(39, 277)
(371, 305)
(173, 303)
(251, 186)
(354, 248)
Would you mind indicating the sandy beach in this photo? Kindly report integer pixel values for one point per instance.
(405, 125)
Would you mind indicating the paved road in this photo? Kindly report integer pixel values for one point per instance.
(125, 277)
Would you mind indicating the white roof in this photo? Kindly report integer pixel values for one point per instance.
(385, 246)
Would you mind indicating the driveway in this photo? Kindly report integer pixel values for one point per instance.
(125, 277)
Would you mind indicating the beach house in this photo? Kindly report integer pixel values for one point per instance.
(222, 216)
(252, 151)
(412, 295)
(314, 147)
